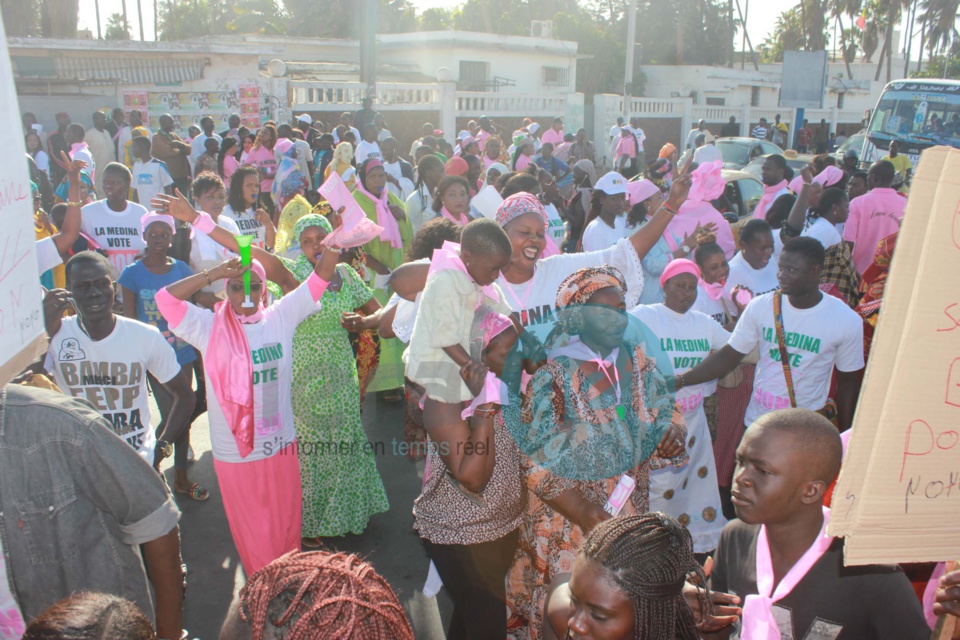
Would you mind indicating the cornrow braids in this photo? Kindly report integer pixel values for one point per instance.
(321, 594)
(649, 557)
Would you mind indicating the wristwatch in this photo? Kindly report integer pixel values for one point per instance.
(685, 248)
(165, 448)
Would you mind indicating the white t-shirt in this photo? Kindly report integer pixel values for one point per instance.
(817, 339)
(686, 339)
(824, 231)
(599, 235)
(116, 232)
(556, 229)
(111, 374)
(247, 224)
(367, 150)
(707, 153)
(356, 135)
(419, 208)
(271, 344)
(406, 185)
(149, 179)
(207, 253)
(197, 147)
(719, 310)
(48, 256)
(534, 301)
(758, 281)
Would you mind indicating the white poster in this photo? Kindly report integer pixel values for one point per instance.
(22, 335)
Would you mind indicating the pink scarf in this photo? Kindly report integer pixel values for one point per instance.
(758, 620)
(462, 221)
(714, 290)
(230, 369)
(391, 229)
(448, 257)
(769, 195)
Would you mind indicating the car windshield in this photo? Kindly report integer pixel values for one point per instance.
(918, 116)
(734, 152)
(853, 142)
(751, 191)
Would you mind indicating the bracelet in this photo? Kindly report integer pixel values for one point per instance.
(485, 413)
(669, 208)
(73, 204)
(678, 382)
(206, 274)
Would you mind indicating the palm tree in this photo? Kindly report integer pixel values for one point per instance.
(117, 27)
(837, 9)
(58, 18)
(940, 18)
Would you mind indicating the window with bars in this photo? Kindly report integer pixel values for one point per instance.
(716, 102)
(474, 75)
(754, 96)
(556, 76)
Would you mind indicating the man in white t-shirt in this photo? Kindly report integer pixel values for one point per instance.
(821, 333)
(104, 359)
(114, 223)
(150, 176)
(198, 148)
(368, 147)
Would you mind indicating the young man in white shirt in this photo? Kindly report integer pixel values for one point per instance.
(368, 147)
(150, 176)
(206, 124)
(819, 332)
(610, 225)
(104, 359)
(114, 223)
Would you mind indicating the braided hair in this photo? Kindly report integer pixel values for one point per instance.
(649, 557)
(321, 594)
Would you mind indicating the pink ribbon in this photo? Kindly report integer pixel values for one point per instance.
(758, 620)
(391, 229)
(448, 257)
(462, 220)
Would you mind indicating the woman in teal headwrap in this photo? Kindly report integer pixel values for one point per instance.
(86, 188)
(341, 485)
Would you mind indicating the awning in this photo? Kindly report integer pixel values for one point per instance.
(101, 70)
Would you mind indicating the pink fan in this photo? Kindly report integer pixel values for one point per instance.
(707, 182)
(355, 227)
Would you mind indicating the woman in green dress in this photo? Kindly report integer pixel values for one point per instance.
(341, 486)
(384, 254)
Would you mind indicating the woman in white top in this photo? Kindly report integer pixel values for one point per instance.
(606, 221)
(753, 268)
(241, 203)
(35, 149)
(419, 205)
(688, 493)
(529, 282)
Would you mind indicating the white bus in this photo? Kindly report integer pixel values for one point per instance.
(919, 113)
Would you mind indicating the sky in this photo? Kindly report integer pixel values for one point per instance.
(761, 16)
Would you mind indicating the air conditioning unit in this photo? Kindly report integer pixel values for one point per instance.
(541, 28)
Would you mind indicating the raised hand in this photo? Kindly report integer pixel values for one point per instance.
(72, 167)
(678, 192)
(176, 205)
(230, 269)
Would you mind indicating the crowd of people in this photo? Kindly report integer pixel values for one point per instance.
(631, 413)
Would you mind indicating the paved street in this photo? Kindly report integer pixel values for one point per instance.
(389, 542)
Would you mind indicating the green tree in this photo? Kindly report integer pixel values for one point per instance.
(437, 19)
(940, 19)
(182, 20)
(58, 18)
(848, 37)
(258, 16)
(942, 66)
(117, 28)
(21, 18)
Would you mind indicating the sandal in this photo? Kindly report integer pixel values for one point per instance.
(195, 492)
(312, 543)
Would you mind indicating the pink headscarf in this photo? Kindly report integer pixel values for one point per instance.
(678, 266)
(492, 325)
(640, 190)
(829, 176)
(385, 219)
(707, 182)
(150, 217)
(230, 369)
(522, 203)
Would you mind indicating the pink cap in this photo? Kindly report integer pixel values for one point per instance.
(640, 190)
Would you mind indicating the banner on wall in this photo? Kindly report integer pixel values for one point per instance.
(23, 337)
(187, 107)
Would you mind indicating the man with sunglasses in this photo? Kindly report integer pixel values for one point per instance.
(104, 358)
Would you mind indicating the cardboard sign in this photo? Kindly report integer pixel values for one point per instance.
(898, 497)
(22, 334)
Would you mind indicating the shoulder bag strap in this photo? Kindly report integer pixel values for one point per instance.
(781, 343)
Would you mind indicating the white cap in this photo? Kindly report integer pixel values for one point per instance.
(305, 117)
(533, 127)
(611, 184)
(463, 135)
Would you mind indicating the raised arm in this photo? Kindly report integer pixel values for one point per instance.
(646, 236)
(799, 211)
(181, 209)
(71, 221)
(409, 279)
